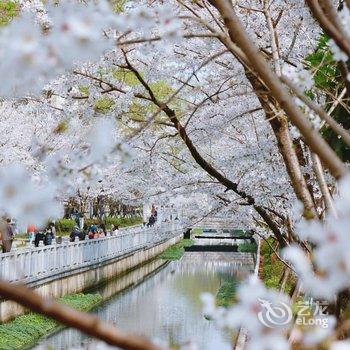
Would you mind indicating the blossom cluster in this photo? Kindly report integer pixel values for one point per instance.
(328, 271)
(33, 52)
(31, 56)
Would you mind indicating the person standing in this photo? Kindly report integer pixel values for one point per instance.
(114, 230)
(31, 231)
(50, 234)
(75, 233)
(52, 229)
(7, 236)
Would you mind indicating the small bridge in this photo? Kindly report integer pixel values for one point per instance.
(218, 235)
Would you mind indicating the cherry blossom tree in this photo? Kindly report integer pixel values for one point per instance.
(215, 107)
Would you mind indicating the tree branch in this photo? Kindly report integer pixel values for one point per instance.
(85, 322)
(239, 35)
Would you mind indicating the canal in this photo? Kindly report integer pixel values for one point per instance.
(165, 305)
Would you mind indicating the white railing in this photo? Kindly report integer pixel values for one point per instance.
(32, 264)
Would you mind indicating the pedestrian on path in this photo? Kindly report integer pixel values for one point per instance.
(7, 235)
(31, 231)
(114, 230)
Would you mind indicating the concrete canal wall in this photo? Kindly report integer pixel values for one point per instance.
(84, 265)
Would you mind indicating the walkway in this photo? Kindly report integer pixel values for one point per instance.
(32, 264)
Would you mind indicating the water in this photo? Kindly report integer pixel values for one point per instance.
(167, 304)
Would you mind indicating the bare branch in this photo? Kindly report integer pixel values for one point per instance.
(85, 322)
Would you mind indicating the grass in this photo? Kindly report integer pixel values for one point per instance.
(247, 247)
(272, 268)
(25, 330)
(176, 251)
(197, 231)
(226, 295)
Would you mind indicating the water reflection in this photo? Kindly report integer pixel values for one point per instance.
(166, 305)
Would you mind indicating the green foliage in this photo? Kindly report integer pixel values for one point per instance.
(84, 89)
(176, 251)
(342, 116)
(197, 231)
(8, 10)
(323, 66)
(247, 247)
(61, 127)
(162, 91)
(272, 268)
(240, 232)
(81, 302)
(25, 330)
(65, 225)
(226, 295)
(121, 222)
(328, 79)
(104, 104)
(118, 5)
(125, 76)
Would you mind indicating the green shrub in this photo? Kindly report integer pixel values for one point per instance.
(109, 221)
(240, 232)
(65, 225)
(123, 222)
(82, 302)
(25, 330)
